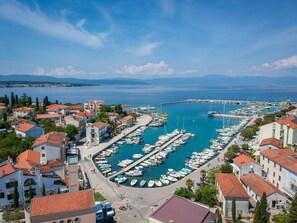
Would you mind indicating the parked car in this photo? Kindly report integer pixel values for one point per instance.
(99, 212)
(109, 210)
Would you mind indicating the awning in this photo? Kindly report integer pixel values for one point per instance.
(274, 199)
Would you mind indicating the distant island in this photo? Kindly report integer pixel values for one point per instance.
(15, 84)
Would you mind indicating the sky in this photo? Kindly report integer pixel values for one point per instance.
(148, 38)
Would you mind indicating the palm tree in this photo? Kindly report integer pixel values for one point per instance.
(203, 176)
(189, 184)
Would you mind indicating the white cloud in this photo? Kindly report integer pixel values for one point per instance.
(286, 63)
(39, 71)
(146, 49)
(21, 14)
(60, 71)
(149, 69)
(189, 71)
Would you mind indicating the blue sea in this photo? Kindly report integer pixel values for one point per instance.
(191, 116)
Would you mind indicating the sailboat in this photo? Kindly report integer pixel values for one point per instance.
(210, 112)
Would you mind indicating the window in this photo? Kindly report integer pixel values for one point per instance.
(277, 185)
(42, 148)
(11, 184)
(274, 174)
(273, 181)
(280, 168)
(9, 196)
(2, 195)
(27, 192)
(267, 170)
(43, 155)
(29, 182)
(267, 160)
(274, 164)
(279, 178)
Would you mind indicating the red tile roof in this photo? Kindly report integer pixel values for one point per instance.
(128, 117)
(76, 107)
(48, 116)
(6, 168)
(56, 107)
(55, 162)
(25, 127)
(290, 121)
(24, 109)
(28, 159)
(181, 210)
(46, 169)
(52, 138)
(259, 185)
(3, 107)
(99, 124)
(84, 114)
(243, 160)
(74, 201)
(272, 141)
(230, 186)
(283, 157)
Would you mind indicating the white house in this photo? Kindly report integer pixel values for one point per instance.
(51, 146)
(280, 166)
(96, 132)
(78, 122)
(127, 120)
(87, 116)
(91, 104)
(27, 129)
(23, 112)
(127, 108)
(244, 164)
(58, 109)
(256, 186)
(229, 188)
(270, 143)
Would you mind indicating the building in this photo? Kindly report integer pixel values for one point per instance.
(271, 143)
(230, 188)
(127, 120)
(127, 108)
(51, 146)
(87, 116)
(256, 186)
(3, 109)
(280, 166)
(51, 117)
(27, 129)
(96, 132)
(180, 210)
(244, 164)
(76, 207)
(113, 116)
(57, 109)
(78, 122)
(75, 108)
(23, 112)
(91, 104)
(284, 129)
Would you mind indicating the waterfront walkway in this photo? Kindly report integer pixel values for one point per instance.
(231, 116)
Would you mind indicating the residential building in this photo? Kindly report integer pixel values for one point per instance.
(76, 207)
(23, 112)
(75, 108)
(87, 116)
(127, 108)
(57, 109)
(229, 188)
(280, 166)
(51, 117)
(96, 132)
(16, 123)
(93, 111)
(127, 120)
(78, 122)
(244, 164)
(91, 104)
(3, 109)
(284, 129)
(113, 116)
(271, 143)
(26, 130)
(256, 186)
(180, 210)
(51, 146)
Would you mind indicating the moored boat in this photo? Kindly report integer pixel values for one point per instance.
(133, 182)
(142, 183)
(151, 183)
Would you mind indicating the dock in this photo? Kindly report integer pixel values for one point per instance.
(231, 116)
(237, 102)
(146, 156)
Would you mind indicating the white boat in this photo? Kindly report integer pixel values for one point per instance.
(106, 171)
(172, 179)
(137, 156)
(151, 183)
(125, 162)
(120, 179)
(142, 183)
(133, 182)
(164, 181)
(134, 173)
(158, 183)
(101, 161)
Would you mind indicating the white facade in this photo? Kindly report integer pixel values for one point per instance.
(19, 112)
(239, 171)
(290, 186)
(95, 134)
(92, 104)
(48, 152)
(127, 109)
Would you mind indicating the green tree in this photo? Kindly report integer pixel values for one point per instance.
(263, 208)
(183, 192)
(234, 148)
(12, 99)
(206, 194)
(189, 184)
(211, 175)
(226, 168)
(202, 176)
(118, 109)
(71, 131)
(37, 104)
(29, 101)
(24, 99)
(16, 99)
(245, 146)
(219, 219)
(15, 195)
(59, 191)
(56, 102)
(4, 116)
(257, 214)
(106, 108)
(230, 154)
(102, 117)
(31, 193)
(292, 218)
(6, 102)
(281, 218)
(248, 133)
(233, 210)
(43, 190)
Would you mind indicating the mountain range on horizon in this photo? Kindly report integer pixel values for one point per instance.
(207, 80)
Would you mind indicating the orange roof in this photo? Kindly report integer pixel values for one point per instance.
(55, 162)
(25, 127)
(230, 186)
(46, 169)
(74, 201)
(48, 116)
(3, 107)
(290, 121)
(283, 157)
(84, 114)
(51, 138)
(56, 107)
(259, 185)
(20, 121)
(28, 159)
(6, 168)
(243, 160)
(272, 141)
(76, 107)
(24, 109)
(128, 117)
(99, 124)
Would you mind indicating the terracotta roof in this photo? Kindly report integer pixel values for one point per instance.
(3, 107)
(74, 201)
(181, 210)
(55, 162)
(48, 116)
(6, 168)
(20, 121)
(290, 121)
(56, 107)
(126, 106)
(24, 109)
(46, 169)
(84, 114)
(259, 185)
(76, 107)
(28, 159)
(243, 160)
(25, 127)
(272, 141)
(128, 117)
(230, 186)
(95, 101)
(283, 157)
(99, 124)
(52, 138)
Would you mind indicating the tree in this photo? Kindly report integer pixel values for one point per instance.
(43, 190)
(203, 176)
(189, 184)
(59, 191)
(226, 168)
(219, 220)
(233, 210)
(211, 175)
(29, 101)
(4, 116)
(31, 193)
(248, 133)
(118, 109)
(102, 117)
(183, 192)
(234, 148)
(257, 214)
(16, 99)
(106, 108)
(206, 194)
(6, 100)
(12, 99)
(245, 146)
(293, 211)
(230, 154)
(263, 208)
(281, 218)
(56, 102)
(37, 104)
(71, 131)
(15, 195)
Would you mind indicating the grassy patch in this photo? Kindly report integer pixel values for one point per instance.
(98, 197)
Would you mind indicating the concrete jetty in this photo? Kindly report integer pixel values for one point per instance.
(231, 116)
(146, 156)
